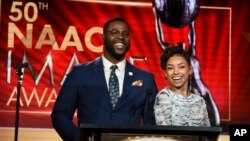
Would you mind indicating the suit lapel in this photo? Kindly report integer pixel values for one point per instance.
(99, 72)
(128, 79)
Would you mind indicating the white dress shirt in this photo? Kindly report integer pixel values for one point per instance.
(120, 72)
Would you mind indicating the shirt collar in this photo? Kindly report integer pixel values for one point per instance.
(107, 64)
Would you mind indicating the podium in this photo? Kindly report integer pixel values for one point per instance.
(93, 132)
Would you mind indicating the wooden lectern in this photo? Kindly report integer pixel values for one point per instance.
(93, 132)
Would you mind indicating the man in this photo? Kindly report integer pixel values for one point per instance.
(90, 88)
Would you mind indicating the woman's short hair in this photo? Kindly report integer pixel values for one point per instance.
(171, 51)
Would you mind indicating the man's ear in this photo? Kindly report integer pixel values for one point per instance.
(103, 38)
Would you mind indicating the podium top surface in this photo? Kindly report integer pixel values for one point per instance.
(152, 129)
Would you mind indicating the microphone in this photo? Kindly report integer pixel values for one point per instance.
(22, 65)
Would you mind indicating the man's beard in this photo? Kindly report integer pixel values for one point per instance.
(117, 56)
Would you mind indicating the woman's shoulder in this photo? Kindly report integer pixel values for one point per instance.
(164, 91)
(197, 98)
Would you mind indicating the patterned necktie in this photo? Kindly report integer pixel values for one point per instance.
(113, 86)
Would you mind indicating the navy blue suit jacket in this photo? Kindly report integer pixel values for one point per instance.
(85, 89)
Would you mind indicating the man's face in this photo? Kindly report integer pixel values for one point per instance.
(116, 40)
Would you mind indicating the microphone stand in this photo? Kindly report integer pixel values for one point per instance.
(19, 73)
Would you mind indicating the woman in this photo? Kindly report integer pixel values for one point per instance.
(176, 105)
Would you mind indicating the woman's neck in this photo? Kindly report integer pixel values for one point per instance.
(182, 91)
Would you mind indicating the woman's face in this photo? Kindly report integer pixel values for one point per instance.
(178, 71)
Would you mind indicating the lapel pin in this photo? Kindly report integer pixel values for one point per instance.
(130, 73)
